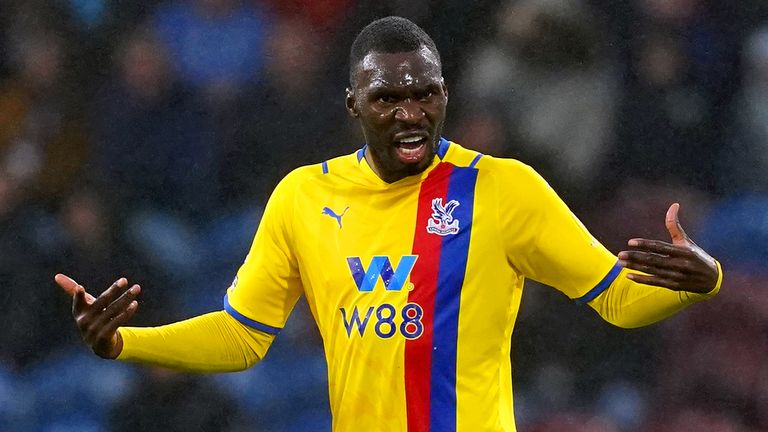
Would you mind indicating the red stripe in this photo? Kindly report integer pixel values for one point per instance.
(418, 352)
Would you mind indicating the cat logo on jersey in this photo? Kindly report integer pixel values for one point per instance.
(381, 267)
(442, 222)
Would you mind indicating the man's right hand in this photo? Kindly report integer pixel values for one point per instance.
(98, 318)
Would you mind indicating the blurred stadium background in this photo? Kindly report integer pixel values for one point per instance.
(142, 139)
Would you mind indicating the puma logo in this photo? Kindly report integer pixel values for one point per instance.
(331, 213)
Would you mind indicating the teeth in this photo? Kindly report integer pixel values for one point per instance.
(411, 139)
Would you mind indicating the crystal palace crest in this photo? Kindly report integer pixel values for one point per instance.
(442, 221)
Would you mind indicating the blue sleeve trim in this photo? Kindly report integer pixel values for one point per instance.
(475, 160)
(361, 153)
(247, 321)
(442, 147)
(325, 167)
(601, 286)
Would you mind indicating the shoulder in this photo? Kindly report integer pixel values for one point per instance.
(487, 164)
(299, 178)
(506, 180)
(316, 174)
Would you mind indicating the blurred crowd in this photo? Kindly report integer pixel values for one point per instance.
(142, 139)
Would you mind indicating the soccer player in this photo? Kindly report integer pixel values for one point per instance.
(411, 252)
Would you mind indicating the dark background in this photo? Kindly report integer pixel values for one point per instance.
(143, 138)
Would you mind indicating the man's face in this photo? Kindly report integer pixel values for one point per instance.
(400, 101)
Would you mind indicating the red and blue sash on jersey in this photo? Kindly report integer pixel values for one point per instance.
(438, 277)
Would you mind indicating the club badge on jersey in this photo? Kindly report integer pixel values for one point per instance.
(442, 222)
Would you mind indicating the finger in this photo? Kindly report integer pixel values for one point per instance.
(655, 281)
(122, 303)
(67, 284)
(655, 260)
(659, 247)
(79, 302)
(673, 225)
(71, 287)
(111, 293)
(117, 307)
(653, 270)
(119, 320)
(96, 332)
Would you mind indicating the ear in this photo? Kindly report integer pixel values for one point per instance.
(445, 87)
(349, 101)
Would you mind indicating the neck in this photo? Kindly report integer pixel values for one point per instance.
(391, 176)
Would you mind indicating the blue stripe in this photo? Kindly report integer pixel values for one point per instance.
(454, 250)
(475, 160)
(601, 286)
(442, 147)
(325, 167)
(247, 321)
(361, 153)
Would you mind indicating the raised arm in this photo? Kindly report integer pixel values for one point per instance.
(659, 279)
(214, 342)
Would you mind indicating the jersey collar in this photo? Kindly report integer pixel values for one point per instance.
(442, 149)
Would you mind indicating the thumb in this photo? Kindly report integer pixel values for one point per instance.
(67, 284)
(673, 225)
(73, 288)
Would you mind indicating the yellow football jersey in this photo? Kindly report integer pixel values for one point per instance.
(415, 285)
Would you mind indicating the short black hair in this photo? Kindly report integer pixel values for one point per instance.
(391, 34)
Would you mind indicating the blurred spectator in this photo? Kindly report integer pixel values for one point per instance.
(574, 423)
(645, 203)
(42, 142)
(157, 157)
(714, 357)
(30, 307)
(67, 399)
(167, 401)
(323, 15)
(288, 390)
(292, 118)
(735, 229)
(543, 91)
(214, 45)
(4, 66)
(744, 162)
(695, 420)
(682, 61)
(42, 148)
(92, 247)
(151, 137)
(662, 135)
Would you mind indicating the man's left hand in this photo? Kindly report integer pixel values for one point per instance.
(680, 266)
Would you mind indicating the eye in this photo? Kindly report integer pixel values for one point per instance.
(426, 95)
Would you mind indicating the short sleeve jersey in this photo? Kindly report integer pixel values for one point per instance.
(415, 285)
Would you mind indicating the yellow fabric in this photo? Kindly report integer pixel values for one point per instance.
(213, 342)
(325, 227)
(629, 304)
(520, 228)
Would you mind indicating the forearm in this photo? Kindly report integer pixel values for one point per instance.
(630, 304)
(213, 342)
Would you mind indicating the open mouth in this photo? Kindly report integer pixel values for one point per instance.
(411, 149)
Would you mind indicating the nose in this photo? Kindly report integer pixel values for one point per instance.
(409, 111)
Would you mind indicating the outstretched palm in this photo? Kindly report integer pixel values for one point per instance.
(98, 318)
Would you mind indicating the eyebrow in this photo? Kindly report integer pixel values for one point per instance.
(380, 87)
